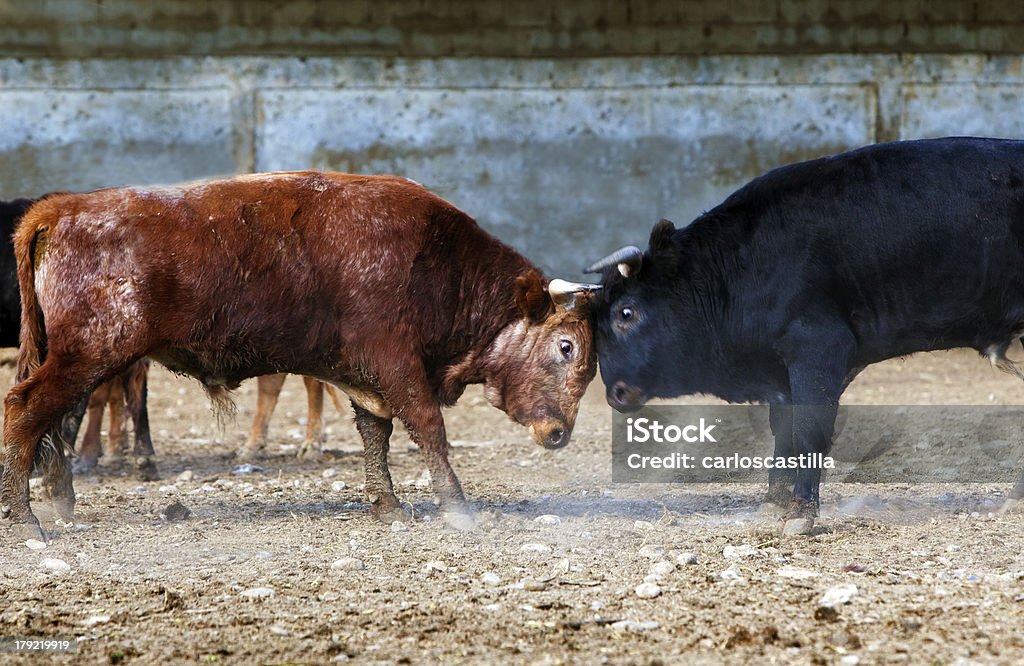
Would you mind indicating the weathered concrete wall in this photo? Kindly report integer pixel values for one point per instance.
(565, 158)
(501, 28)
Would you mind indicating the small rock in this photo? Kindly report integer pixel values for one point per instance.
(647, 590)
(278, 630)
(185, 476)
(662, 568)
(246, 468)
(548, 519)
(643, 525)
(533, 585)
(799, 574)
(435, 566)
(399, 526)
(652, 550)
(53, 564)
(685, 559)
(348, 564)
(338, 486)
(732, 577)
(633, 625)
(258, 593)
(738, 552)
(534, 548)
(849, 660)
(175, 512)
(168, 489)
(329, 473)
(93, 620)
(838, 595)
(35, 544)
(490, 579)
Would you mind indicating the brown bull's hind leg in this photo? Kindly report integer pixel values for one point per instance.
(32, 409)
(268, 389)
(312, 447)
(58, 492)
(376, 434)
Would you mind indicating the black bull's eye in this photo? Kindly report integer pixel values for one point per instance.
(565, 347)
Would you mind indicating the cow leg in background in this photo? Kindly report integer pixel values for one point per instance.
(376, 434)
(136, 388)
(117, 434)
(268, 389)
(780, 481)
(312, 448)
(91, 448)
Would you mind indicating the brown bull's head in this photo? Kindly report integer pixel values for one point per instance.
(540, 366)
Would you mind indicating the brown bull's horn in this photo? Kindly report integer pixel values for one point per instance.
(563, 292)
(627, 260)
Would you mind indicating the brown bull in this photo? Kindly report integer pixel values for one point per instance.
(370, 283)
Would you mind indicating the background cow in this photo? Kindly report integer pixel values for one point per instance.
(268, 390)
(371, 283)
(806, 275)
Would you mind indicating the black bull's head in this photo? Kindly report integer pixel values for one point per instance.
(636, 323)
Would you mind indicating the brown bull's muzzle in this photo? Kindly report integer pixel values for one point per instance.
(551, 433)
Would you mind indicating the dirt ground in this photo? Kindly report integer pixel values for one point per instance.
(286, 566)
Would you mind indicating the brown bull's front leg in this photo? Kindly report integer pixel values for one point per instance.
(421, 415)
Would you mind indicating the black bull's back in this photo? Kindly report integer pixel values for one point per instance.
(809, 273)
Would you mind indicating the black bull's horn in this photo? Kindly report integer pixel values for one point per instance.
(563, 292)
(627, 260)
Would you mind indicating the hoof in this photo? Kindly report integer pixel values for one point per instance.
(26, 531)
(459, 520)
(310, 453)
(798, 527)
(247, 453)
(82, 465)
(145, 469)
(397, 514)
(54, 509)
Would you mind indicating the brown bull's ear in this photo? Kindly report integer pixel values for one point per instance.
(663, 247)
(532, 298)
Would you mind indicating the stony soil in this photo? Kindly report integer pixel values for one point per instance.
(286, 565)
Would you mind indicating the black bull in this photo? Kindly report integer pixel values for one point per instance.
(810, 273)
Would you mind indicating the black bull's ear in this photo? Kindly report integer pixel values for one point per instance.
(663, 249)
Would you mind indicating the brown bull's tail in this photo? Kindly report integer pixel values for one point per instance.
(29, 249)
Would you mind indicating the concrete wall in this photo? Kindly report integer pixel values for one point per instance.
(563, 158)
(504, 28)
(621, 112)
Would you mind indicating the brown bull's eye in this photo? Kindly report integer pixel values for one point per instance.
(565, 347)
